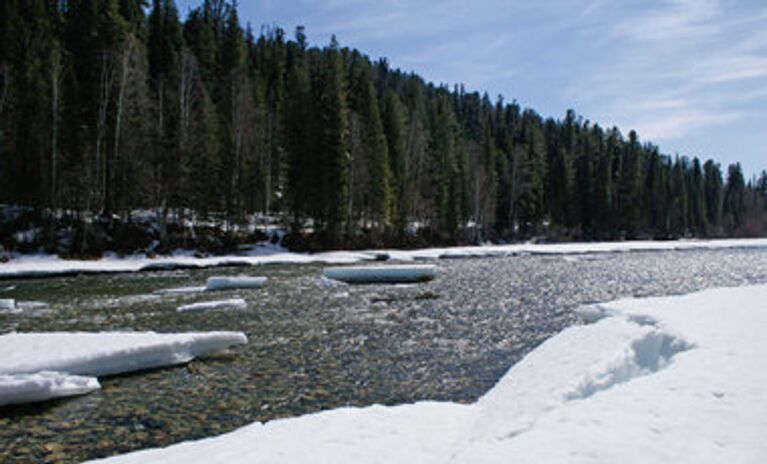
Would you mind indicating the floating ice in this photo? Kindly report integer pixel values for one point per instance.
(27, 388)
(674, 379)
(106, 353)
(382, 274)
(324, 282)
(236, 303)
(234, 282)
(7, 305)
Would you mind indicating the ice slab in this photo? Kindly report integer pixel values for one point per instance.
(382, 274)
(106, 353)
(41, 386)
(674, 379)
(232, 304)
(7, 305)
(234, 282)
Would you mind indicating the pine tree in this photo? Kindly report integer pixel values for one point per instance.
(395, 128)
(734, 197)
(334, 157)
(713, 192)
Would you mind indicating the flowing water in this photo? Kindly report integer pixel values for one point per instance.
(313, 348)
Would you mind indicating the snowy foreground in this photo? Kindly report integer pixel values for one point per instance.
(31, 266)
(40, 366)
(676, 379)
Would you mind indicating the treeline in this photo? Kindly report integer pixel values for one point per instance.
(112, 105)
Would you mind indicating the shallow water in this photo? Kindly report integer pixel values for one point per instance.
(313, 348)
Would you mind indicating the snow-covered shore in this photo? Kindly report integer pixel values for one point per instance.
(44, 266)
(672, 379)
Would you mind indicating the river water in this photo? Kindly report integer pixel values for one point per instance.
(313, 348)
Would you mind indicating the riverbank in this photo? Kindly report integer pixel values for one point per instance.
(32, 266)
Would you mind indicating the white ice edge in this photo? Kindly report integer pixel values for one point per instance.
(219, 305)
(381, 274)
(672, 379)
(45, 265)
(41, 386)
(106, 353)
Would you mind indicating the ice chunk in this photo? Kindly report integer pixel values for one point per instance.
(236, 303)
(7, 305)
(324, 282)
(234, 282)
(106, 353)
(382, 274)
(41, 386)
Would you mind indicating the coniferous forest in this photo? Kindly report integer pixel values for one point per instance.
(112, 106)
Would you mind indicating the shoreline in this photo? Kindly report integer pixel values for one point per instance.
(45, 266)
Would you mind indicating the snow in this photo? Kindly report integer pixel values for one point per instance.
(27, 388)
(45, 265)
(381, 274)
(672, 379)
(235, 282)
(233, 304)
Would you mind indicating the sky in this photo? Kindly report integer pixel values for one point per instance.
(687, 75)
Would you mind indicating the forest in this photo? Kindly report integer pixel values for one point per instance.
(108, 107)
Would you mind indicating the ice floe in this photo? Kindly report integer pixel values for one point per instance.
(673, 379)
(7, 305)
(382, 274)
(106, 353)
(38, 366)
(27, 388)
(232, 304)
(234, 282)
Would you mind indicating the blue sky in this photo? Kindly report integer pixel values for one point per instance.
(688, 75)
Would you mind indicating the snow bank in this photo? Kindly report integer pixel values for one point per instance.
(106, 353)
(27, 388)
(381, 274)
(676, 379)
(235, 282)
(44, 266)
(236, 303)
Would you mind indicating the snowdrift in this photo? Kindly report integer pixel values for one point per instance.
(381, 274)
(676, 379)
(38, 366)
